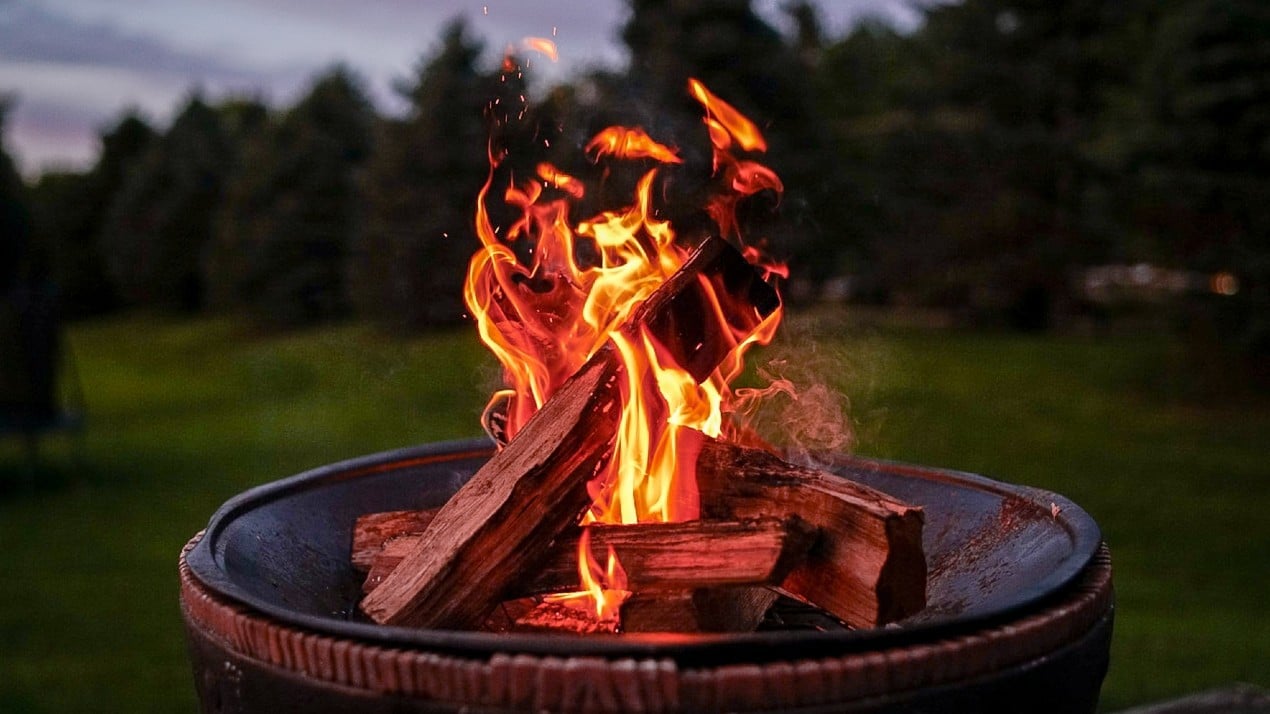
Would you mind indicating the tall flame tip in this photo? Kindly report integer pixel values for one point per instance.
(547, 307)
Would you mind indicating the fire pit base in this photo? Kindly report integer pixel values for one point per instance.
(1054, 660)
(1020, 617)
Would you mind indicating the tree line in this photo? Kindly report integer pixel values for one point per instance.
(974, 164)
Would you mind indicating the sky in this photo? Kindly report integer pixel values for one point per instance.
(73, 67)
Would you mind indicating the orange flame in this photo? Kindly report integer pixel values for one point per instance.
(545, 316)
(629, 143)
(543, 46)
(723, 119)
(607, 590)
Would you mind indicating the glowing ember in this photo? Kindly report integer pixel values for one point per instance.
(544, 316)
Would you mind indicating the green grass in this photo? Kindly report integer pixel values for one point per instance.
(1179, 489)
(182, 415)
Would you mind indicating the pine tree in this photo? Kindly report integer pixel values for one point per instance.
(161, 219)
(69, 209)
(292, 206)
(421, 186)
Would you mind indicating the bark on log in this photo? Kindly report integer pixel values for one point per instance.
(867, 567)
(655, 556)
(499, 525)
(501, 521)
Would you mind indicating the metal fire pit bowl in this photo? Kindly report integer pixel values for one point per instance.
(1019, 614)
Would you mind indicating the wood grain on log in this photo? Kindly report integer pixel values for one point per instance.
(722, 609)
(373, 530)
(655, 556)
(867, 567)
(500, 523)
(553, 616)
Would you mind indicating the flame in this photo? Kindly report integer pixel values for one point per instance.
(725, 122)
(629, 143)
(603, 589)
(542, 45)
(545, 309)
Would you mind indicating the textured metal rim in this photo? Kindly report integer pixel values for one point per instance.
(684, 649)
(518, 681)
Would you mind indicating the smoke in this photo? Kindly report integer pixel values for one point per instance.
(804, 409)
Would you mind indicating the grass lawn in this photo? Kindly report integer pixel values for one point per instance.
(182, 415)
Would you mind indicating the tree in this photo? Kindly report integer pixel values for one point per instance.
(28, 302)
(985, 144)
(1202, 148)
(291, 207)
(15, 240)
(1200, 169)
(69, 209)
(161, 219)
(421, 186)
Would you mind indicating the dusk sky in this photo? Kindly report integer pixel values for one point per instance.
(74, 66)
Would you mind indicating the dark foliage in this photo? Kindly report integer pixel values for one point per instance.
(419, 188)
(70, 209)
(975, 164)
(286, 221)
(17, 251)
(161, 219)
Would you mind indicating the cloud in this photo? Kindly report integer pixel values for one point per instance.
(79, 63)
(32, 34)
(72, 76)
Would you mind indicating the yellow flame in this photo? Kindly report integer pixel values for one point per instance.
(630, 143)
(721, 116)
(545, 317)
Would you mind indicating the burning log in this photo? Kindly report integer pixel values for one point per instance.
(658, 556)
(484, 538)
(556, 616)
(373, 531)
(867, 567)
(728, 609)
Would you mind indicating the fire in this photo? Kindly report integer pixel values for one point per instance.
(545, 314)
(543, 46)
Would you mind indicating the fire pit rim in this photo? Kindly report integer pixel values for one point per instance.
(208, 569)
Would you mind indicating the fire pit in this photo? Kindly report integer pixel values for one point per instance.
(1018, 615)
(631, 495)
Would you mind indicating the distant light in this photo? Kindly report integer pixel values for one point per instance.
(1008, 22)
(1224, 284)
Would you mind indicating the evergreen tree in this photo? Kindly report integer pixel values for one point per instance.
(1202, 149)
(985, 145)
(421, 186)
(28, 315)
(289, 212)
(161, 219)
(15, 239)
(69, 210)
(1200, 169)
